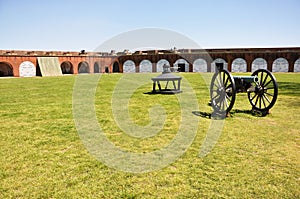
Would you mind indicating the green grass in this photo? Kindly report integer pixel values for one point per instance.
(42, 155)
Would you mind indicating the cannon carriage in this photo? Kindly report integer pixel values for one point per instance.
(261, 86)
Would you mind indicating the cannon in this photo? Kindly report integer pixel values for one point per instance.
(261, 86)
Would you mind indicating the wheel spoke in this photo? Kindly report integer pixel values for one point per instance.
(215, 102)
(218, 81)
(265, 80)
(216, 86)
(218, 102)
(226, 82)
(262, 98)
(268, 88)
(268, 83)
(267, 98)
(217, 95)
(256, 100)
(254, 96)
(259, 101)
(222, 106)
(269, 94)
(226, 103)
(261, 78)
(230, 85)
(228, 97)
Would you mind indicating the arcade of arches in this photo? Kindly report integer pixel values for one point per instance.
(23, 63)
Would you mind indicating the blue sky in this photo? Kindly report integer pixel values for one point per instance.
(75, 25)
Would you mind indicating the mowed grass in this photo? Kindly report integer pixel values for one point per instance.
(42, 155)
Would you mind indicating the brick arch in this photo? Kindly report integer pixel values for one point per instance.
(280, 65)
(160, 64)
(27, 69)
(258, 63)
(182, 65)
(83, 67)
(239, 65)
(145, 66)
(97, 68)
(67, 67)
(297, 65)
(116, 67)
(200, 65)
(218, 60)
(6, 69)
(129, 66)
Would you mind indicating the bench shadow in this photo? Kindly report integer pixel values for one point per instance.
(160, 93)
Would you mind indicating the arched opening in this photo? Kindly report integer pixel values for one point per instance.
(181, 65)
(199, 65)
(297, 65)
(219, 61)
(160, 64)
(66, 67)
(96, 68)
(6, 69)
(27, 69)
(106, 70)
(83, 67)
(239, 65)
(259, 63)
(116, 68)
(145, 66)
(129, 67)
(280, 65)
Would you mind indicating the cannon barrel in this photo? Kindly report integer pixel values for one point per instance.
(243, 83)
(246, 79)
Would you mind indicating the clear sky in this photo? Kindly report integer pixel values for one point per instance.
(73, 25)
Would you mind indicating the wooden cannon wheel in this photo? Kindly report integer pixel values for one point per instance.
(264, 95)
(222, 92)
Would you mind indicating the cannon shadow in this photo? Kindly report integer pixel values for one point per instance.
(209, 115)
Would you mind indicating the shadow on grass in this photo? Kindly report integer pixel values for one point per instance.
(164, 92)
(289, 88)
(213, 115)
(252, 112)
(231, 114)
(202, 114)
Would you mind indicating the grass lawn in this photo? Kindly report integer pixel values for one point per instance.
(42, 155)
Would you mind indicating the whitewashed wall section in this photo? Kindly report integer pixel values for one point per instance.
(218, 60)
(199, 65)
(280, 65)
(239, 65)
(160, 64)
(27, 69)
(129, 67)
(145, 66)
(259, 63)
(297, 65)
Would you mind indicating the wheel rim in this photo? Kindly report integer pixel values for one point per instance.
(222, 91)
(265, 93)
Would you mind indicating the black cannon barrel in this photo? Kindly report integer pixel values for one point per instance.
(246, 79)
(243, 83)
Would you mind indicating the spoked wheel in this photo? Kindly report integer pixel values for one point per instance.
(222, 92)
(264, 95)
